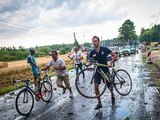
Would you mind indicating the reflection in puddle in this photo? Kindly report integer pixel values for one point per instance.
(121, 113)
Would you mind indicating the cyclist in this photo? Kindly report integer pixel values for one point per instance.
(60, 70)
(77, 57)
(31, 60)
(100, 54)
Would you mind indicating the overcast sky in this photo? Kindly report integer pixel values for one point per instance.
(45, 22)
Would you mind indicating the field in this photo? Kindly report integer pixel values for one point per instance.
(19, 70)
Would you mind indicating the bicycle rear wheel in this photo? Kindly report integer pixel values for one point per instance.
(122, 82)
(24, 102)
(46, 91)
(86, 87)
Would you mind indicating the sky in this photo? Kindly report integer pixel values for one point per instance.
(31, 23)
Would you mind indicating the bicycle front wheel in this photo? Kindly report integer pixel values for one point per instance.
(122, 82)
(24, 102)
(47, 78)
(46, 91)
(86, 86)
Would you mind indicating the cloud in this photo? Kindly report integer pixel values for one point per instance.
(27, 19)
(75, 13)
(54, 19)
(11, 5)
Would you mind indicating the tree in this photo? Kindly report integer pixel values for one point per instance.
(127, 32)
(146, 35)
(150, 35)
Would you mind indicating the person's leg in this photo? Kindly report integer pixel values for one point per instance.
(97, 92)
(80, 67)
(36, 80)
(77, 69)
(110, 87)
(67, 83)
(97, 81)
(60, 85)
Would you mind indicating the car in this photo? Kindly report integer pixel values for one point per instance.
(133, 49)
(116, 50)
(125, 50)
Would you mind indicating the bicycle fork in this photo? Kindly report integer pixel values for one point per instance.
(120, 79)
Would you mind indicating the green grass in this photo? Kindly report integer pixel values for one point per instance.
(10, 88)
(157, 82)
(144, 58)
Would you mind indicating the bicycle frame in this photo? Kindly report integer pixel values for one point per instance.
(96, 65)
(29, 89)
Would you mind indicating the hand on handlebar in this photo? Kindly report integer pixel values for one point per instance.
(40, 71)
(110, 65)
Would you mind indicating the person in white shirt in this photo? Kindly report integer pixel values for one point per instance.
(77, 57)
(60, 70)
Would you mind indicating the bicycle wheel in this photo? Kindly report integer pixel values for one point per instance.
(47, 78)
(46, 91)
(24, 102)
(122, 82)
(86, 87)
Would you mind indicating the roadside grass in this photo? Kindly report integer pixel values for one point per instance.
(6, 80)
(10, 88)
(154, 72)
(144, 58)
(157, 82)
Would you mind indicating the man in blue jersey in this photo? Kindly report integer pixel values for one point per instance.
(100, 54)
(31, 60)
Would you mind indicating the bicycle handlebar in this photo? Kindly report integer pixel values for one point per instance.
(17, 81)
(92, 61)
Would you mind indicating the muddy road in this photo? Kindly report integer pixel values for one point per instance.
(141, 104)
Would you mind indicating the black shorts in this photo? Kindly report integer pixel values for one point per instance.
(98, 78)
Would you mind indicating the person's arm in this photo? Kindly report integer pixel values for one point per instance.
(60, 67)
(114, 56)
(46, 68)
(32, 63)
(69, 55)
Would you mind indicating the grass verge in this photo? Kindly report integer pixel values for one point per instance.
(154, 70)
(9, 77)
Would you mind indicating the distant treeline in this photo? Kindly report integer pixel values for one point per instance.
(12, 53)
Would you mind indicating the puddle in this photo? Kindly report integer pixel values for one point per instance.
(121, 113)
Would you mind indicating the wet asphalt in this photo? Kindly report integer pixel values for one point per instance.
(141, 104)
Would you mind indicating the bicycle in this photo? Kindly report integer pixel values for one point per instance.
(24, 101)
(47, 76)
(120, 79)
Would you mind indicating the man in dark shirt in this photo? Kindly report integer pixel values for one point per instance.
(100, 55)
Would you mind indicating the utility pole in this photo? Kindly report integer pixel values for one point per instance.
(84, 38)
(74, 35)
(75, 40)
